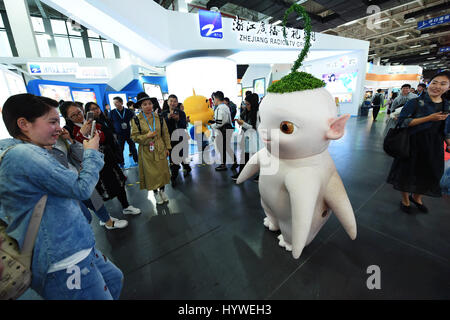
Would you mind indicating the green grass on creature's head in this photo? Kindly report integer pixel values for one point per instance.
(296, 81)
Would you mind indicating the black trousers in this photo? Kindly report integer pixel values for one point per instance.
(175, 166)
(131, 145)
(375, 111)
(246, 158)
(226, 134)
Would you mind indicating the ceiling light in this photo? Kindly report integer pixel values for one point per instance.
(381, 21)
(424, 53)
(401, 37)
(410, 20)
(350, 23)
(431, 58)
(276, 22)
(301, 1)
(416, 46)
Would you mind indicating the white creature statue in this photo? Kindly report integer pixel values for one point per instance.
(298, 183)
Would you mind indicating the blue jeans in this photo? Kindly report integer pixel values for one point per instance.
(101, 213)
(94, 278)
(85, 211)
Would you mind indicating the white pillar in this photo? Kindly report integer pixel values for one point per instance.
(21, 27)
(204, 75)
(376, 61)
(181, 5)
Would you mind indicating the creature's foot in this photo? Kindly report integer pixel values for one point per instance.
(270, 224)
(284, 244)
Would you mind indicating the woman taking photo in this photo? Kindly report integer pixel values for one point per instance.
(107, 128)
(112, 180)
(65, 239)
(426, 118)
(154, 146)
(249, 123)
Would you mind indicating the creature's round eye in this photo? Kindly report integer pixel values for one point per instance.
(287, 127)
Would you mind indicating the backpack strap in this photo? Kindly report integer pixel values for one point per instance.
(5, 151)
(33, 226)
(417, 102)
(138, 124)
(161, 119)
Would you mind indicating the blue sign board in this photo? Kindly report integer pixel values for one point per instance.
(433, 22)
(444, 49)
(210, 24)
(35, 68)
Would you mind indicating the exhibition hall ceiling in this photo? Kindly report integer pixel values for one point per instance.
(391, 26)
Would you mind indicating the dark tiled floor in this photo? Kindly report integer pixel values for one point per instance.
(209, 241)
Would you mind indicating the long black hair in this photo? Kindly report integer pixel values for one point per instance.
(63, 107)
(156, 106)
(254, 107)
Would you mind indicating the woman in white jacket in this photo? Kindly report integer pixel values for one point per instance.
(249, 123)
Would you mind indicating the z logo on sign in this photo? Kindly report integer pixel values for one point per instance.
(210, 24)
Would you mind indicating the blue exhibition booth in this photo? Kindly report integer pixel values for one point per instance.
(100, 93)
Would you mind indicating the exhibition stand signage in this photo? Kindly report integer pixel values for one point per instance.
(64, 69)
(261, 32)
(210, 24)
(433, 22)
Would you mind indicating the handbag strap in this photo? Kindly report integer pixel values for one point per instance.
(33, 226)
(416, 109)
(35, 222)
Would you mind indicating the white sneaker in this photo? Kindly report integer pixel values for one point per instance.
(117, 224)
(163, 196)
(131, 210)
(158, 198)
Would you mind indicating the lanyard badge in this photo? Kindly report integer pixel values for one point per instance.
(152, 143)
(123, 125)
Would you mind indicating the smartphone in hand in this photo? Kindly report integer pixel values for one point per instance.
(90, 116)
(92, 130)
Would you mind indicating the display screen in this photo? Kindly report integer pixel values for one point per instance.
(341, 85)
(239, 89)
(10, 84)
(55, 92)
(15, 83)
(343, 97)
(153, 90)
(84, 96)
(259, 87)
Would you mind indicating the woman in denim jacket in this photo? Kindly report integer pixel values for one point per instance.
(65, 263)
(428, 123)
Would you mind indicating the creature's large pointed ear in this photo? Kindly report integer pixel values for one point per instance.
(337, 127)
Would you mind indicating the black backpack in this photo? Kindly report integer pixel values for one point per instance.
(233, 110)
(377, 99)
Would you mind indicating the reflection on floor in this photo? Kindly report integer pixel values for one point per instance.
(209, 241)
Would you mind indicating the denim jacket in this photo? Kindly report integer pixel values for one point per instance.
(27, 172)
(425, 108)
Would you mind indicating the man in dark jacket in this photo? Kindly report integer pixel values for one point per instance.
(121, 118)
(176, 119)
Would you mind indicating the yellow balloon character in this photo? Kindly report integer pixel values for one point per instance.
(199, 113)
